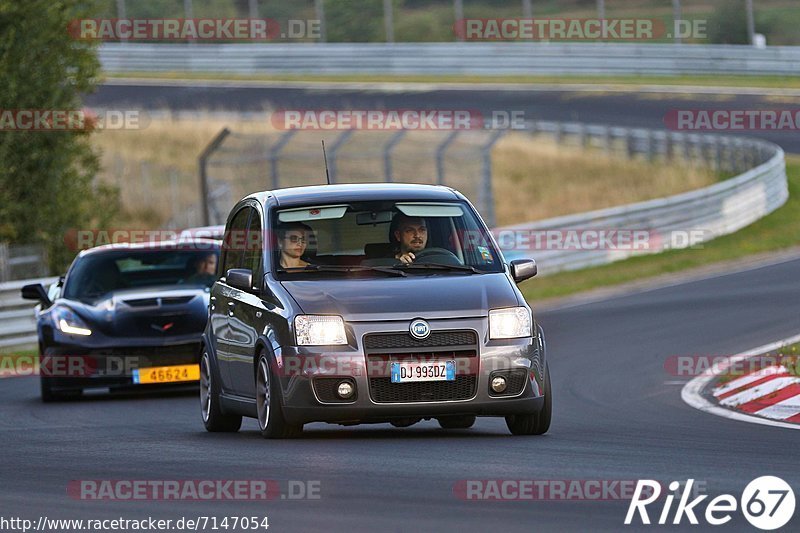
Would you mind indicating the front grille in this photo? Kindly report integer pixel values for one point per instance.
(515, 381)
(393, 341)
(383, 390)
(176, 300)
(142, 302)
(128, 358)
(326, 390)
(155, 302)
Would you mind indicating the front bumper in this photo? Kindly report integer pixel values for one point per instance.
(307, 379)
(69, 367)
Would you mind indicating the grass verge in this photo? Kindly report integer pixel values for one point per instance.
(771, 82)
(779, 230)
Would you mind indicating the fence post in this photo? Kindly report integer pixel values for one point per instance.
(340, 140)
(630, 144)
(4, 267)
(274, 153)
(202, 161)
(387, 154)
(487, 196)
(440, 150)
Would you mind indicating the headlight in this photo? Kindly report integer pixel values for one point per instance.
(69, 322)
(319, 330)
(509, 323)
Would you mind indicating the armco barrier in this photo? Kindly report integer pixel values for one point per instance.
(17, 321)
(713, 211)
(451, 58)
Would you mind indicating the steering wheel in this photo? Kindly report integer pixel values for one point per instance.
(444, 255)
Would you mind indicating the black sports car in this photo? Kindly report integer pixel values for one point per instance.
(125, 315)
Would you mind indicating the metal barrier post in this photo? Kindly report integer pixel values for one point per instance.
(387, 154)
(203, 165)
(487, 197)
(440, 150)
(274, 153)
(340, 140)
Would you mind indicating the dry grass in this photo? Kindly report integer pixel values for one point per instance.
(156, 169)
(540, 179)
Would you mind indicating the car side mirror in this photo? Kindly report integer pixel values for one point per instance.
(35, 291)
(240, 278)
(522, 269)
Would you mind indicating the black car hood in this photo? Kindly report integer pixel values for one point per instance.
(381, 299)
(149, 312)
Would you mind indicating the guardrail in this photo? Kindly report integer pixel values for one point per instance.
(451, 58)
(17, 320)
(696, 216)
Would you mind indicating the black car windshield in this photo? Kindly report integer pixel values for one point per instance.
(417, 238)
(100, 273)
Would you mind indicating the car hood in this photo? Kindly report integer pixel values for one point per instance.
(162, 312)
(382, 299)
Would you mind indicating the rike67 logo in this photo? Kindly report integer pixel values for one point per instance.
(767, 503)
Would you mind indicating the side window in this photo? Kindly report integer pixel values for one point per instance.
(255, 246)
(235, 241)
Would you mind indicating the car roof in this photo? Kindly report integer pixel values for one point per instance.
(357, 192)
(187, 244)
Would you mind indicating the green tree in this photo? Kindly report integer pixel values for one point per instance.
(47, 181)
(728, 24)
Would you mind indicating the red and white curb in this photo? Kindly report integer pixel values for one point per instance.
(770, 396)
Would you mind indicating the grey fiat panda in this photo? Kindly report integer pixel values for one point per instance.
(378, 303)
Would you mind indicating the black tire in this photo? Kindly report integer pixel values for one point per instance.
(535, 423)
(213, 418)
(268, 403)
(456, 421)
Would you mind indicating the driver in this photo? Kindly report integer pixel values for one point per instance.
(205, 270)
(411, 236)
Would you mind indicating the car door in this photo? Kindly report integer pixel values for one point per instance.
(248, 312)
(222, 301)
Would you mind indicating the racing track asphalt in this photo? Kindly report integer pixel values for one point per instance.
(619, 108)
(616, 416)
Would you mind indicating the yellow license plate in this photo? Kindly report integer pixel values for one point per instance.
(166, 374)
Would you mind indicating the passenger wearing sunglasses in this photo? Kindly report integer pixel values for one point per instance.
(292, 242)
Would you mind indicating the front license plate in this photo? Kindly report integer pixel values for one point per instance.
(166, 374)
(431, 371)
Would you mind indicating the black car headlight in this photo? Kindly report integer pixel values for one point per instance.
(67, 321)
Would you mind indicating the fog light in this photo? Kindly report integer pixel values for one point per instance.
(499, 384)
(344, 390)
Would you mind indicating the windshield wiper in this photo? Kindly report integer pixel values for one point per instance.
(346, 268)
(439, 266)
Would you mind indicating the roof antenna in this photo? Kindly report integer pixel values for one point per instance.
(325, 158)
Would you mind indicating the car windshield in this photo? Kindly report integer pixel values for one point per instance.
(382, 238)
(101, 273)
